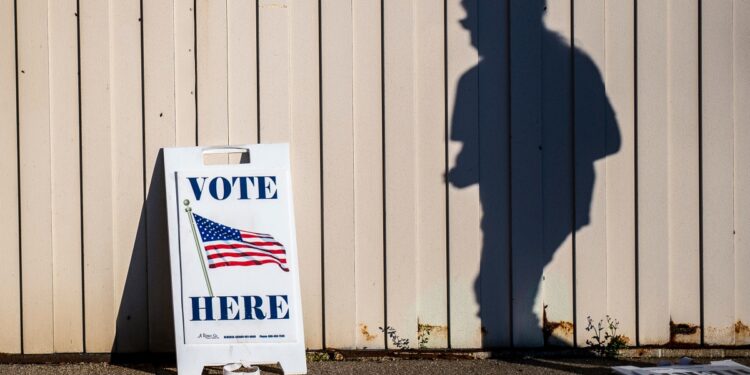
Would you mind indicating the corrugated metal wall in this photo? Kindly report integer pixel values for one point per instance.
(470, 173)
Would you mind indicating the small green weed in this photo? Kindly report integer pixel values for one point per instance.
(604, 339)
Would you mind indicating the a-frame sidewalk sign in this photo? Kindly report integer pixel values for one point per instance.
(233, 257)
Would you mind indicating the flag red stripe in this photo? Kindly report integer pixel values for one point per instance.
(266, 243)
(255, 233)
(249, 254)
(241, 246)
(248, 263)
(247, 235)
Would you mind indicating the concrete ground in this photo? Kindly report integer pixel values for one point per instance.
(520, 365)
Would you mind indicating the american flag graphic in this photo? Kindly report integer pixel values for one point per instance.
(226, 246)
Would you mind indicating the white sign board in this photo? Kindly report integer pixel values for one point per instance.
(233, 258)
(726, 367)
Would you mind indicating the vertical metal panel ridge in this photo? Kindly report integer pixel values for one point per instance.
(636, 262)
(10, 313)
(257, 63)
(446, 163)
(144, 168)
(321, 101)
(383, 164)
(700, 170)
(572, 167)
(80, 175)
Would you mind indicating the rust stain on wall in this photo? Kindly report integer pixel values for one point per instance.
(366, 333)
(741, 333)
(431, 335)
(683, 333)
(556, 333)
(432, 331)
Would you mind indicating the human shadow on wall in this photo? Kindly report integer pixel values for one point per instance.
(144, 324)
(533, 117)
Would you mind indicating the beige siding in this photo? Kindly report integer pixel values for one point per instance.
(242, 74)
(430, 267)
(129, 251)
(274, 20)
(683, 175)
(305, 114)
(97, 183)
(718, 172)
(10, 276)
(494, 174)
(653, 168)
(169, 120)
(368, 174)
(467, 173)
(557, 183)
(35, 149)
(338, 173)
(400, 168)
(590, 138)
(526, 191)
(213, 86)
(742, 169)
(464, 206)
(65, 178)
(619, 76)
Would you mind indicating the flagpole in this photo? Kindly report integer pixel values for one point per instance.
(198, 245)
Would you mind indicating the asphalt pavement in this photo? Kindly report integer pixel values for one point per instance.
(520, 365)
